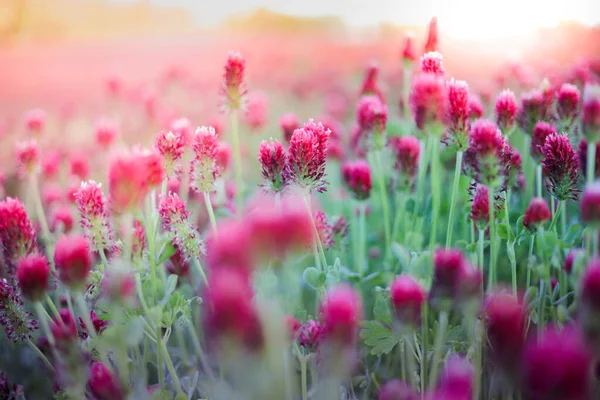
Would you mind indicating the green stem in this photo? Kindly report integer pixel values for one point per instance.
(530, 259)
(303, 376)
(478, 356)
(556, 214)
(237, 156)
(423, 165)
(410, 360)
(39, 353)
(86, 315)
(170, 367)
(437, 349)
(399, 201)
(200, 352)
(211, 213)
(52, 307)
(425, 340)
(39, 209)
(362, 212)
(492, 270)
(595, 239)
(196, 264)
(457, 170)
(538, 181)
(402, 361)
(480, 245)
(384, 203)
(541, 307)
(356, 242)
(181, 343)
(591, 161)
(159, 358)
(42, 316)
(435, 189)
(315, 231)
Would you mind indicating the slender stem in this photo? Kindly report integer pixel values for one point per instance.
(159, 358)
(406, 78)
(435, 189)
(39, 353)
(303, 379)
(438, 347)
(384, 202)
(552, 226)
(170, 367)
(42, 315)
(315, 231)
(402, 360)
(86, 315)
(211, 213)
(362, 212)
(538, 180)
(480, 245)
(181, 343)
(478, 356)
(52, 307)
(530, 259)
(423, 165)
(197, 265)
(410, 360)
(39, 209)
(591, 161)
(103, 257)
(237, 156)
(541, 307)
(200, 352)
(356, 248)
(399, 200)
(425, 341)
(492, 270)
(457, 169)
(595, 242)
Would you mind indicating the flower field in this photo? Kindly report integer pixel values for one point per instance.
(250, 225)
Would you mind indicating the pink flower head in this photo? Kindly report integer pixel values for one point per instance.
(35, 121)
(79, 165)
(448, 271)
(536, 105)
(582, 152)
(257, 111)
(98, 324)
(131, 177)
(341, 313)
(230, 309)
(370, 86)
(408, 50)
(488, 158)
(432, 63)
(537, 214)
(176, 221)
(506, 110)
(432, 42)
(272, 159)
(480, 208)
(324, 229)
(171, 146)
(232, 247)
(475, 107)
(118, 285)
(279, 229)
(61, 219)
(73, 260)
(28, 157)
(589, 206)
(307, 156)
(407, 297)
(138, 244)
(310, 334)
(93, 214)
(288, 123)
(33, 272)
(427, 99)
(558, 366)
(397, 390)
(51, 161)
(105, 132)
(406, 150)
(233, 81)
(292, 325)
(104, 384)
(371, 115)
(570, 260)
(204, 169)
(591, 112)
(223, 156)
(456, 381)
(540, 132)
(357, 177)
(590, 287)
(561, 167)
(17, 236)
(64, 329)
(567, 103)
(505, 320)
(457, 115)
(18, 323)
(183, 128)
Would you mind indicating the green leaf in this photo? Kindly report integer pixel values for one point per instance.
(380, 338)
(503, 231)
(573, 235)
(135, 331)
(381, 310)
(314, 277)
(167, 251)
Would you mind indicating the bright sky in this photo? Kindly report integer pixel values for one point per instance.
(464, 18)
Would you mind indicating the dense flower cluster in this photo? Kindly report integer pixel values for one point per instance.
(561, 167)
(204, 169)
(17, 322)
(93, 215)
(406, 150)
(457, 115)
(272, 158)
(427, 99)
(17, 236)
(506, 110)
(176, 220)
(357, 177)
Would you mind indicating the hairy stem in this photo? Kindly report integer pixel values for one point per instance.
(457, 169)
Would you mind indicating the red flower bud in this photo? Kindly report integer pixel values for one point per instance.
(17, 235)
(407, 296)
(572, 257)
(406, 150)
(73, 260)
(397, 390)
(540, 132)
(357, 177)
(567, 104)
(310, 334)
(341, 313)
(307, 156)
(457, 115)
(64, 330)
(33, 272)
(408, 51)
(427, 99)
(233, 81)
(35, 121)
(106, 132)
(432, 42)
(537, 214)
(104, 384)
(561, 167)
(432, 63)
(506, 110)
(272, 158)
(480, 208)
(590, 204)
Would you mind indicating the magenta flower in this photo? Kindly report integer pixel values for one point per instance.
(257, 111)
(407, 297)
(369, 86)
(33, 272)
(475, 107)
(233, 81)
(456, 381)
(357, 178)
(171, 146)
(432, 42)
(371, 115)
(104, 384)
(427, 99)
(310, 334)
(176, 221)
(582, 152)
(457, 115)
(561, 167)
(94, 216)
(589, 206)
(540, 132)
(406, 150)
(17, 236)
(28, 157)
(341, 313)
(506, 110)
(73, 260)
(536, 105)
(432, 63)
(567, 102)
(408, 50)
(307, 156)
(288, 123)
(35, 121)
(591, 112)
(397, 390)
(273, 159)
(324, 229)
(105, 132)
(204, 169)
(480, 207)
(537, 214)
